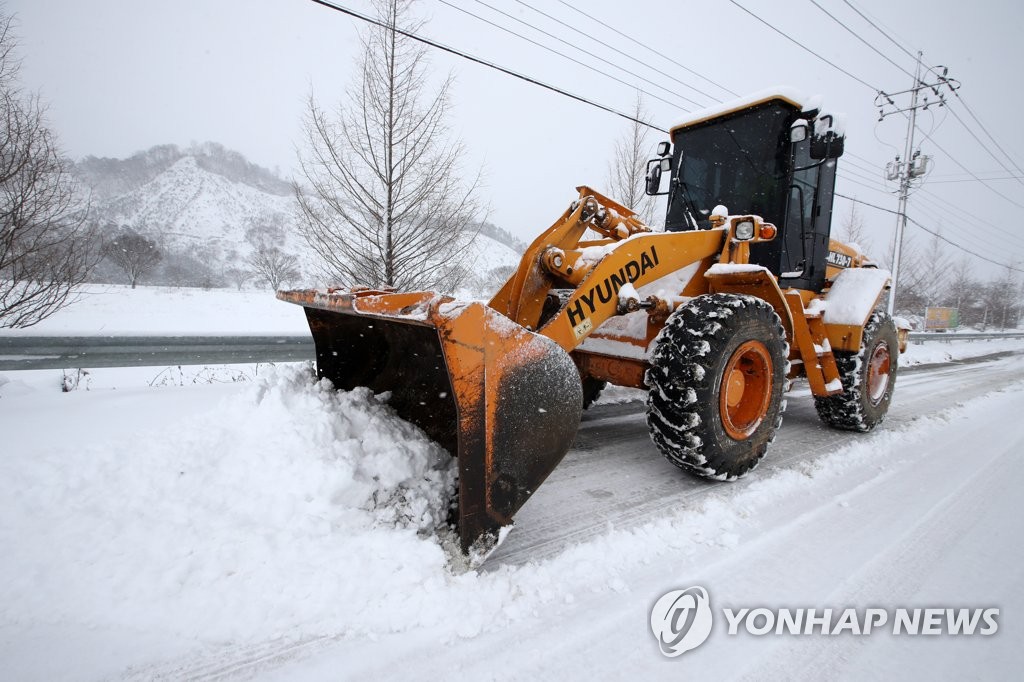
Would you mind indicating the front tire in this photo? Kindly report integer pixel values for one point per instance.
(869, 378)
(715, 384)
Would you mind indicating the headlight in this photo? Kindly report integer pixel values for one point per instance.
(744, 230)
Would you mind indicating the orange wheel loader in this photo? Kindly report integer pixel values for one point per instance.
(714, 317)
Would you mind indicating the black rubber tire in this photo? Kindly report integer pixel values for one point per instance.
(685, 379)
(854, 409)
(592, 390)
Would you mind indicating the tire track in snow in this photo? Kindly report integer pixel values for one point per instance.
(619, 458)
(913, 557)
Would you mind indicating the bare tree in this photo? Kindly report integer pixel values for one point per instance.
(963, 291)
(381, 200)
(269, 262)
(853, 231)
(628, 170)
(267, 228)
(47, 247)
(239, 276)
(1002, 299)
(937, 264)
(273, 265)
(912, 287)
(132, 252)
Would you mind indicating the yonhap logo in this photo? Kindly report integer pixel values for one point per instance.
(681, 620)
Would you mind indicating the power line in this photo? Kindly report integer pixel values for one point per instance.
(969, 216)
(860, 38)
(865, 164)
(975, 233)
(863, 167)
(980, 233)
(983, 146)
(968, 171)
(614, 49)
(566, 43)
(483, 62)
(982, 125)
(863, 184)
(648, 48)
(866, 203)
(946, 182)
(563, 55)
(805, 48)
(963, 248)
(602, 107)
(850, 173)
(929, 231)
(875, 186)
(993, 175)
(877, 28)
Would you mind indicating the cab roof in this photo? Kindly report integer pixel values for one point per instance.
(779, 93)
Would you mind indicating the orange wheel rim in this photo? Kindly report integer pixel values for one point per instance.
(746, 390)
(879, 365)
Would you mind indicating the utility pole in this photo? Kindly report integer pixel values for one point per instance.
(912, 165)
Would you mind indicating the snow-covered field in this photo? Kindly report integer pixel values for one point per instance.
(274, 528)
(120, 310)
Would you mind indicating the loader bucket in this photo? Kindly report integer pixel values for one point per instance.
(504, 400)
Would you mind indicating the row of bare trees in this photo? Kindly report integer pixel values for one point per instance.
(930, 276)
(136, 254)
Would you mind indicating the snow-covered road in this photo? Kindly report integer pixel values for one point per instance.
(615, 475)
(920, 513)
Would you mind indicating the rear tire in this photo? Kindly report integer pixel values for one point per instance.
(715, 384)
(869, 379)
(592, 391)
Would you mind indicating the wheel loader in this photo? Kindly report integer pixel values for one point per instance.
(715, 317)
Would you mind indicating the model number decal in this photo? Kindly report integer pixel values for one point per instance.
(840, 260)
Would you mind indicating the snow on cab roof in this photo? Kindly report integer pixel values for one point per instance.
(791, 95)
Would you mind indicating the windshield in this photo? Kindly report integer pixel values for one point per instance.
(739, 162)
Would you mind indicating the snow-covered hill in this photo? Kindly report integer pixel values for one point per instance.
(196, 210)
(199, 203)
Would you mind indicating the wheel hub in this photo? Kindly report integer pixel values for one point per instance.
(878, 373)
(746, 390)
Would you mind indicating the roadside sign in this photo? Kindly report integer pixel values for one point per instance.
(941, 318)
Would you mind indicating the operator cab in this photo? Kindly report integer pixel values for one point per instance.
(768, 155)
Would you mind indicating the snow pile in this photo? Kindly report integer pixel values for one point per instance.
(854, 294)
(265, 514)
(627, 295)
(734, 269)
(289, 511)
(931, 352)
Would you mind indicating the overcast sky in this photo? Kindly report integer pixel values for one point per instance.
(123, 75)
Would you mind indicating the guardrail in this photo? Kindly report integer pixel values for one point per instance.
(64, 352)
(947, 337)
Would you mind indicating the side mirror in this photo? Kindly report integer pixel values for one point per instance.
(827, 146)
(655, 169)
(664, 148)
